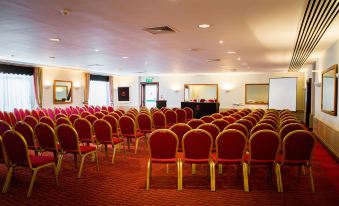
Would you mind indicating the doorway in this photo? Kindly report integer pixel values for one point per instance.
(149, 94)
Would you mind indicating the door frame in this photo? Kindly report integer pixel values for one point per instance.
(142, 91)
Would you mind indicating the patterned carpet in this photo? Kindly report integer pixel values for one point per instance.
(123, 184)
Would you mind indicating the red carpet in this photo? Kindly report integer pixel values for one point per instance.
(123, 184)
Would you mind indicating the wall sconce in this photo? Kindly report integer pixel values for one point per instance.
(47, 84)
(317, 84)
(77, 85)
(176, 88)
(227, 88)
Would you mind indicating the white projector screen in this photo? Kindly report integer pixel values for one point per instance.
(283, 93)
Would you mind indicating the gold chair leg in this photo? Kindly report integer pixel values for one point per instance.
(56, 174)
(220, 169)
(303, 170)
(81, 166)
(212, 175)
(278, 177)
(59, 163)
(167, 168)
(114, 151)
(8, 179)
(148, 174)
(32, 183)
(181, 178)
(194, 169)
(311, 178)
(245, 176)
(124, 146)
(136, 145)
(96, 159)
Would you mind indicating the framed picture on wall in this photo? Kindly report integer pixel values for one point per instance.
(123, 93)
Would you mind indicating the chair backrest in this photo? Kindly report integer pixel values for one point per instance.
(239, 127)
(91, 110)
(195, 123)
(256, 116)
(51, 113)
(60, 115)
(207, 119)
(229, 119)
(261, 126)
(13, 118)
(103, 107)
(110, 109)
(189, 113)
(41, 113)
(75, 111)
(2, 156)
(105, 112)
(131, 115)
(236, 116)
(163, 144)
(269, 121)
(68, 137)
(73, 117)
(83, 128)
(289, 128)
(102, 131)
(220, 123)
(35, 114)
(217, 116)
(251, 119)
(68, 111)
(287, 121)
(115, 115)
(22, 114)
(113, 122)
(144, 122)
(180, 129)
(246, 123)
(17, 114)
(298, 146)
(119, 112)
(127, 126)
(2, 115)
(181, 115)
(224, 113)
(27, 132)
(7, 118)
(45, 136)
(57, 111)
(84, 114)
(99, 115)
(63, 120)
(4, 126)
(48, 121)
(16, 149)
(231, 145)
(212, 129)
(159, 120)
(91, 118)
(171, 117)
(31, 121)
(264, 146)
(197, 144)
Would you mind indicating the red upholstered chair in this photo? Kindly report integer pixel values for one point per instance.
(69, 143)
(270, 121)
(246, 123)
(220, 123)
(289, 128)
(195, 123)
(7, 118)
(181, 115)
(261, 126)
(297, 151)
(41, 113)
(159, 120)
(99, 115)
(60, 116)
(73, 117)
(84, 130)
(225, 113)
(68, 111)
(91, 110)
(17, 114)
(103, 107)
(197, 147)
(114, 125)
(110, 109)
(128, 130)
(57, 111)
(31, 121)
(13, 118)
(287, 121)
(145, 123)
(48, 121)
(189, 113)
(229, 119)
(239, 127)
(51, 113)
(171, 118)
(212, 129)
(82, 109)
(75, 111)
(22, 114)
(180, 129)
(27, 132)
(91, 119)
(236, 116)
(103, 135)
(16, 150)
(242, 113)
(2, 156)
(47, 142)
(256, 116)
(63, 120)
(163, 147)
(263, 150)
(251, 119)
(4, 126)
(217, 116)
(119, 112)
(2, 115)
(105, 112)
(230, 150)
(115, 115)
(207, 119)
(27, 112)
(35, 114)
(84, 114)
(131, 115)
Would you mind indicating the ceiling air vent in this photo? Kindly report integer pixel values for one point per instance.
(160, 30)
(213, 60)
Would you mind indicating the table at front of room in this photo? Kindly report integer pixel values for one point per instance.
(202, 108)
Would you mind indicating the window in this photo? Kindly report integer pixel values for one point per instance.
(98, 93)
(16, 91)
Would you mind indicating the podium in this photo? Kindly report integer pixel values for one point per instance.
(202, 108)
(161, 103)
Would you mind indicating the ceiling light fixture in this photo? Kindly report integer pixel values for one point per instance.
(55, 39)
(125, 57)
(239, 59)
(204, 26)
(96, 50)
(231, 52)
(221, 42)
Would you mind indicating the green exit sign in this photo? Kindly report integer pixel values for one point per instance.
(149, 79)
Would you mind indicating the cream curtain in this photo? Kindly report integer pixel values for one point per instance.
(38, 88)
(111, 91)
(86, 87)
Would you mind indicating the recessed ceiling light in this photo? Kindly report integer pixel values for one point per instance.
(96, 50)
(231, 52)
(54, 39)
(239, 59)
(204, 26)
(146, 62)
(221, 42)
(125, 57)
(65, 12)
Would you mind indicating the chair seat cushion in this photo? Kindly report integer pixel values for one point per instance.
(195, 161)
(40, 160)
(170, 160)
(118, 140)
(83, 150)
(225, 161)
(137, 134)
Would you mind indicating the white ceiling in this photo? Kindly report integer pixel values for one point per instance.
(262, 32)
